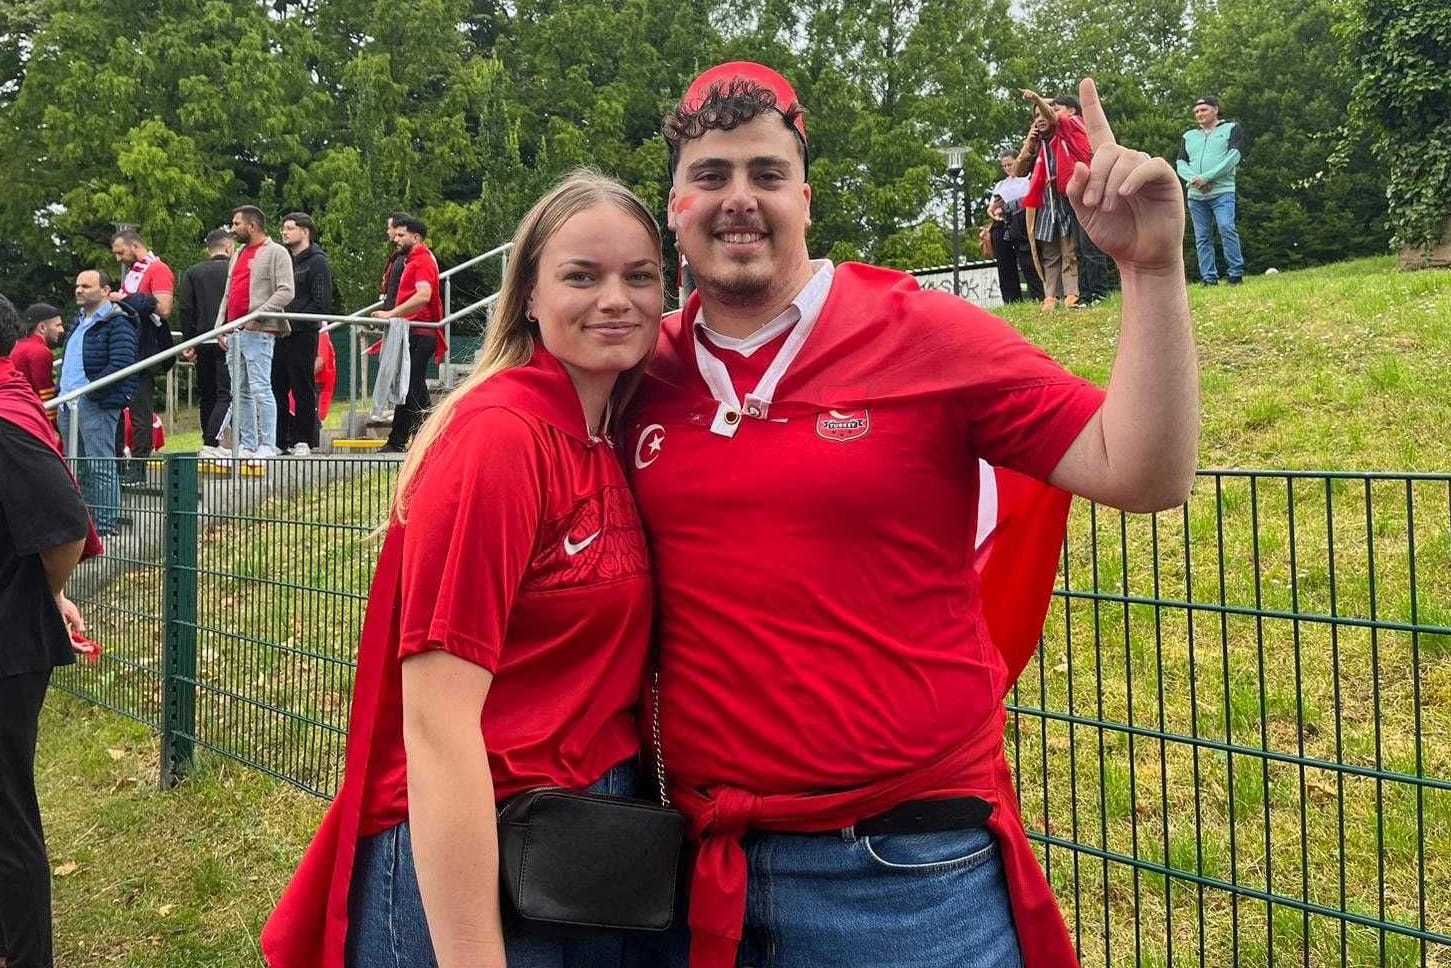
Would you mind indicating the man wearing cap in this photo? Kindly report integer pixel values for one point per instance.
(837, 633)
(1208, 157)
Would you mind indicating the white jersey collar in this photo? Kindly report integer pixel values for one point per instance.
(800, 318)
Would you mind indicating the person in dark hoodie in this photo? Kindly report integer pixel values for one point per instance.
(292, 363)
(202, 287)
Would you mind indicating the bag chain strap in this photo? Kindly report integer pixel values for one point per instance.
(655, 736)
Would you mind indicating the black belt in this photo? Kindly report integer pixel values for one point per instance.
(927, 816)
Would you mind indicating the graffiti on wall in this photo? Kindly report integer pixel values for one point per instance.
(977, 282)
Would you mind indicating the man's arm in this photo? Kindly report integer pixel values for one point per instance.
(1181, 164)
(1139, 452)
(1231, 158)
(322, 287)
(59, 562)
(283, 288)
(421, 295)
(189, 322)
(120, 346)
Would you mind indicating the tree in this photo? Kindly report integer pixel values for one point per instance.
(1310, 193)
(886, 84)
(1402, 51)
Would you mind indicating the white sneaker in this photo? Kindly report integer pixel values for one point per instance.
(246, 453)
(266, 451)
(213, 453)
(300, 450)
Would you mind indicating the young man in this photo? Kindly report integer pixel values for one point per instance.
(259, 278)
(202, 287)
(44, 533)
(1208, 158)
(146, 287)
(33, 355)
(418, 299)
(833, 653)
(293, 383)
(1060, 131)
(102, 342)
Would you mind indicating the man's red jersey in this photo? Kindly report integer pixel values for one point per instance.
(32, 356)
(522, 552)
(822, 632)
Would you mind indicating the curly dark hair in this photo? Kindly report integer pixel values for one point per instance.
(726, 107)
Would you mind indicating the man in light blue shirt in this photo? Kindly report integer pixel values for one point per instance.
(102, 342)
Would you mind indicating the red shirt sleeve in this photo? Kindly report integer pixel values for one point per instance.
(1025, 416)
(420, 268)
(158, 278)
(469, 535)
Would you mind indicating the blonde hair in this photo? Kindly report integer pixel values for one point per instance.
(509, 341)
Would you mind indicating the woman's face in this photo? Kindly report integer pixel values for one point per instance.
(599, 294)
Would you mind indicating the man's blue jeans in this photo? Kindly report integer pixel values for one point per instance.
(256, 407)
(1207, 214)
(901, 901)
(387, 927)
(97, 475)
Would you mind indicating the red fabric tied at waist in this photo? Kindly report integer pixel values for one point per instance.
(721, 816)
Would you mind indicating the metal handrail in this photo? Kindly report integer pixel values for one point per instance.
(331, 322)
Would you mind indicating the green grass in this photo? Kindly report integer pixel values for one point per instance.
(1334, 368)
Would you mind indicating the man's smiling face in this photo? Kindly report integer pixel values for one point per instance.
(740, 207)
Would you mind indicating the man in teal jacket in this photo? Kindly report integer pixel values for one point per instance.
(1208, 157)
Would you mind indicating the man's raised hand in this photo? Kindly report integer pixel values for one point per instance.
(1130, 204)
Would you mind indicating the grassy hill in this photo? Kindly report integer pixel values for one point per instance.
(1334, 368)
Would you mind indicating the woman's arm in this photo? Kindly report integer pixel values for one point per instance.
(451, 808)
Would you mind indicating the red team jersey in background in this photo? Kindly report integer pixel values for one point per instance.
(522, 552)
(821, 621)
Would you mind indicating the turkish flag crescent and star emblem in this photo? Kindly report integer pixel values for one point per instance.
(843, 425)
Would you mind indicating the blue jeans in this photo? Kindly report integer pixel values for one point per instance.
(900, 901)
(1207, 213)
(100, 484)
(386, 924)
(256, 406)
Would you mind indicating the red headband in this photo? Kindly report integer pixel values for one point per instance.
(760, 74)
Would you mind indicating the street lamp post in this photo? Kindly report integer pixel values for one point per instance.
(955, 156)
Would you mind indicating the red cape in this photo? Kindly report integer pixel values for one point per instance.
(881, 339)
(21, 406)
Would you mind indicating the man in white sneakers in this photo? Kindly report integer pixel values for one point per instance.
(259, 278)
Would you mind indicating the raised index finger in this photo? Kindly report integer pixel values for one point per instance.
(1099, 133)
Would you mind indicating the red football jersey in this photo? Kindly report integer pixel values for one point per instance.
(522, 551)
(820, 619)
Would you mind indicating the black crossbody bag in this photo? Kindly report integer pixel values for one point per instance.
(574, 863)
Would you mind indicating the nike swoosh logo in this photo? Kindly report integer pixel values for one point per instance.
(573, 548)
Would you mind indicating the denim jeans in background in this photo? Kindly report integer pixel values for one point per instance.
(900, 901)
(256, 407)
(1207, 214)
(97, 474)
(386, 923)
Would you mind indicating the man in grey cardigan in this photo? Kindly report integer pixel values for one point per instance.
(259, 277)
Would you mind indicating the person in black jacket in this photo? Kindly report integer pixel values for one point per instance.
(292, 362)
(44, 532)
(201, 295)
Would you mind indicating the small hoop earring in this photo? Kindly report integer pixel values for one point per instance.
(532, 318)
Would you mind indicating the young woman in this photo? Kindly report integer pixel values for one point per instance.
(505, 641)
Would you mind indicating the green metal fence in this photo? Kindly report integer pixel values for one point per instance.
(1234, 746)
